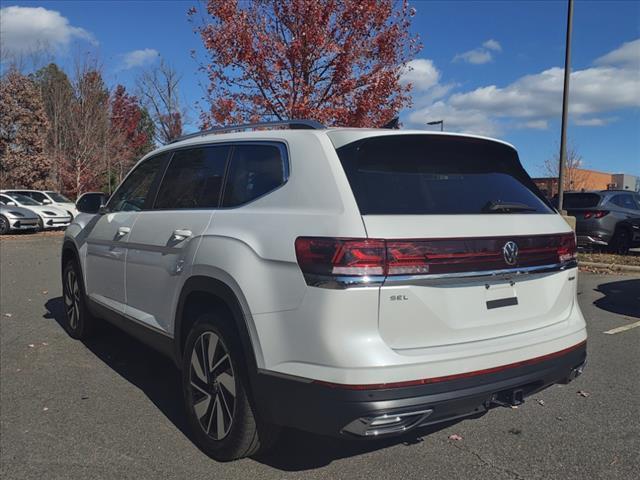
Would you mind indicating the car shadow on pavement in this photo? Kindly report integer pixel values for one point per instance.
(156, 376)
(150, 371)
(298, 451)
(621, 297)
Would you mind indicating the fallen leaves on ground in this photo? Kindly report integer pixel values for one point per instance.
(541, 402)
(584, 394)
(455, 437)
(9, 315)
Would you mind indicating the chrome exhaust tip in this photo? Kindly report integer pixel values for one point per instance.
(388, 423)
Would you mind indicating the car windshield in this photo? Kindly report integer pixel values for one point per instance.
(22, 199)
(58, 197)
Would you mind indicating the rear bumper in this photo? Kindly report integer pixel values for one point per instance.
(343, 410)
(589, 240)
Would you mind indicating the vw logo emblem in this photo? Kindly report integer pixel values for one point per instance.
(510, 253)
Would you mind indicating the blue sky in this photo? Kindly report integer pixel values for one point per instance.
(487, 67)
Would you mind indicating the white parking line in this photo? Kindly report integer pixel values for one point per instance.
(623, 328)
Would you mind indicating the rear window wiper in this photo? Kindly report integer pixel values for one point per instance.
(498, 206)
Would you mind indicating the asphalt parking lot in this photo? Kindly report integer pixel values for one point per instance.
(111, 408)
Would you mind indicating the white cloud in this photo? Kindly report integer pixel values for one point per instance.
(627, 53)
(535, 124)
(421, 73)
(480, 55)
(477, 56)
(492, 44)
(613, 83)
(593, 122)
(139, 58)
(24, 30)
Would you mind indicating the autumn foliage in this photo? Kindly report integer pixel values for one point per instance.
(71, 135)
(335, 61)
(23, 130)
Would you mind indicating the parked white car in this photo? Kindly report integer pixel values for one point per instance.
(354, 282)
(17, 219)
(49, 197)
(49, 217)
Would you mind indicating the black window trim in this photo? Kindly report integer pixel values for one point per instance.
(280, 144)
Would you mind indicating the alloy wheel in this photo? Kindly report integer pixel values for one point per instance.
(213, 386)
(4, 226)
(72, 298)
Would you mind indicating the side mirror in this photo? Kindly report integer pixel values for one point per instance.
(11, 204)
(46, 201)
(92, 203)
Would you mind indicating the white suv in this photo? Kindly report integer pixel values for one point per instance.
(356, 282)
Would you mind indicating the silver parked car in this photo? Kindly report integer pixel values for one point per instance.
(49, 217)
(15, 218)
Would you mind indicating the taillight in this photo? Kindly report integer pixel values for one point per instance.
(335, 256)
(568, 248)
(332, 257)
(595, 214)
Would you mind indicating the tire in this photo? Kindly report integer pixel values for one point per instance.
(78, 321)
(217, 400)
(621, 242)
(40, 226)
(5, 227)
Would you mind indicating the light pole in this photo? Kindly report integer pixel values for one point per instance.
(438, 122)
(565, 106)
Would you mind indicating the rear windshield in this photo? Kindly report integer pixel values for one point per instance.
(580, 200)
(438, 175)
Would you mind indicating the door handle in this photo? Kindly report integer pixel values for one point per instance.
(122, 231)
(179, 235)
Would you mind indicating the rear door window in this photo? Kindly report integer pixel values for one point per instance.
(255, 170)
(438, 175)
(193, 178)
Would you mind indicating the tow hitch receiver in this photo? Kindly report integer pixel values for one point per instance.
(508, 398)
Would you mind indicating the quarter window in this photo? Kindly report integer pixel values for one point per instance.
(133, 192)
(193, 179)
(624, 201)
(255, 170)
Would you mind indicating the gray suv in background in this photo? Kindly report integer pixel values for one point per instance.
(607, 218)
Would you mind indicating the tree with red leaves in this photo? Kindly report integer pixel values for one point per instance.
(335, 61)
(131, 133)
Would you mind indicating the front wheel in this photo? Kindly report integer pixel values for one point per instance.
(4, 225)
(78, 320)
(216, 394)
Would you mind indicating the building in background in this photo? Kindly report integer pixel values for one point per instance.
(579, 179)
(624, 181)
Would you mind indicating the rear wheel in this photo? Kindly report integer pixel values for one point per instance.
(4, 225)
(78, 320)
(621, 242)
(216, 394)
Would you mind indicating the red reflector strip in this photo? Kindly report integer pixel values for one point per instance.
(458, 376)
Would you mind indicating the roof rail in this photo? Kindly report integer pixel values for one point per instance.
(292, 124)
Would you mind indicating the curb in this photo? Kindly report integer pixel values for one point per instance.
(610, 266)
